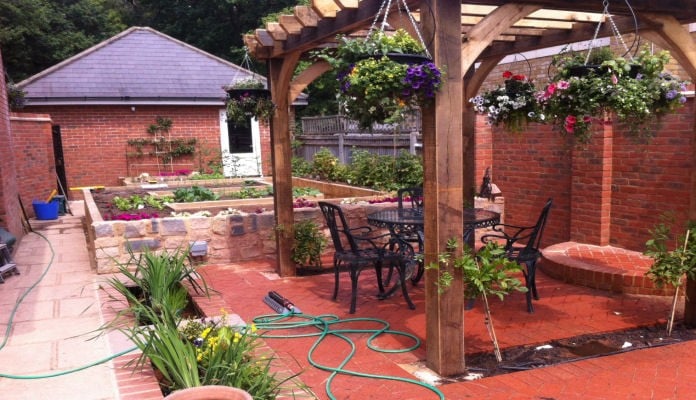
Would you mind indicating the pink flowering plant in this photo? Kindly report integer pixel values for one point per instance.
(512, 104)
(638, 93)
(377, 87)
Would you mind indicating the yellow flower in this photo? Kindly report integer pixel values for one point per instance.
(253, 328)
(205, 333)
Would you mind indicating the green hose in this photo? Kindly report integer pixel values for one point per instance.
(11, 319)
(323, 323)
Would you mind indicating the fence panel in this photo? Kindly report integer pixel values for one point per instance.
(342, 136)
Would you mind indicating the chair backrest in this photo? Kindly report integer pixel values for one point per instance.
(414, 194)
(535, 237)
(338, 227)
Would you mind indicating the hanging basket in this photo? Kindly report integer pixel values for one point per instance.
(237, 93)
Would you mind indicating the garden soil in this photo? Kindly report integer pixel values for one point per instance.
(522, 358)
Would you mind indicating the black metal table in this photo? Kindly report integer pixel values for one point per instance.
(410, 220)
(407, 224)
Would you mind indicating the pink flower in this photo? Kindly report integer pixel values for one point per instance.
(563, 85)
(614, 79)
(507, 74)
(551, 89)
(571, 120)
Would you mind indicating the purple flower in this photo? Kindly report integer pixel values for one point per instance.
(671, 95)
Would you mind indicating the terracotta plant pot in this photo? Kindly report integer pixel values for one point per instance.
(210, 393)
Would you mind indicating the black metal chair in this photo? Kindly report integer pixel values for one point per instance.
(522, 244)
(414, 197)
(357, 248)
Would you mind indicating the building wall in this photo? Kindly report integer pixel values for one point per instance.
(10, 213)
(95, 140)
(33, 157)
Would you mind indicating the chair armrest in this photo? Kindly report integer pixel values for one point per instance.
(519, 233)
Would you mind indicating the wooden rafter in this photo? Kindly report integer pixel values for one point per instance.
(555, 22)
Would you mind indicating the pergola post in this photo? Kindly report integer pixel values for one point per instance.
(280, 73)
(443, 187)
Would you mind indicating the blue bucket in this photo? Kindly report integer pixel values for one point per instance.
(46, 211)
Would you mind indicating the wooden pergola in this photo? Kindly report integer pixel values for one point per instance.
(463, 34)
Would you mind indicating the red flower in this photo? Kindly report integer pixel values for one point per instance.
(570, 120)
(550, 90)
(587, 119)
(519, 77)
(507, 74)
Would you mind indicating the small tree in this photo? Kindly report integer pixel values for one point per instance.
(670, 266)
(485, 273)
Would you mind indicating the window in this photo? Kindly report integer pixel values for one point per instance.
(240, 138)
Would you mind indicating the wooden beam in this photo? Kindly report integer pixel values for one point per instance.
(276, 31)
(493, 25)
(264, 38)
(325, 8)
(306, 16)
(473, 84)
(343, 4)
(304, 78)
(290, 23)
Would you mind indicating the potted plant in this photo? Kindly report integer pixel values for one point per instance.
(248, 99)
(485, 273)
(383, 76)
(309, 244)
(670, 266)
(574, 101)
(512, 104)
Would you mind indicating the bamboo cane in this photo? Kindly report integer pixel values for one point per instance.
(670, 322)
(491, 330)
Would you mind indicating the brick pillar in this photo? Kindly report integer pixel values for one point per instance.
(590, 197)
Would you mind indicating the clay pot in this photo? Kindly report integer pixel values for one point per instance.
(211, 392)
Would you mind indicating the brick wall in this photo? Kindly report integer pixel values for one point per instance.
(598, 199)
(10, 213)
(95, 139)
(529, 168)
(33, 157)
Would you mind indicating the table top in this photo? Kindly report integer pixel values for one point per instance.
(473, 218)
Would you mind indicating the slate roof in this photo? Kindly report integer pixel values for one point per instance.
(138, 66)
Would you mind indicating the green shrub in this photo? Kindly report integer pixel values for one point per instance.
(326, 166)
(409, 170)
(194, 193)
(301, 167)
(309, 243)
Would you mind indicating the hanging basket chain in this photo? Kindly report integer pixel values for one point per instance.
(606, 15)
(384, 12)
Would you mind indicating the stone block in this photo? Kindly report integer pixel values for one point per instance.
(200, 223)
(103, 230)
(141, 245)
(173, 226)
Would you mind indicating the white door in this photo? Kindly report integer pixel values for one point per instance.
(241, 147)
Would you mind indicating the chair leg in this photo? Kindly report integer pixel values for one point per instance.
(336, 268)
(420, 269)
(354, 273)
(529, 283)
(402, 276)
(378, 271)
(532, 279)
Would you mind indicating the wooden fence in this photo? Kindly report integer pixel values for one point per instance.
(342, 135)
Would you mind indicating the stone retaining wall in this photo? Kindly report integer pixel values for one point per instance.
(228, 238)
